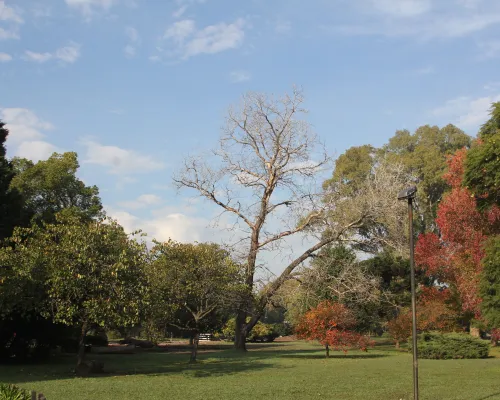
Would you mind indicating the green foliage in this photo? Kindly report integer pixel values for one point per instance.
(191, 286)
(51, 186)
(12, 392)
(261, 332)
(10, 201)
(490, 283)
(482, 166)
(444, 346)
(75, 272)
(423, 154)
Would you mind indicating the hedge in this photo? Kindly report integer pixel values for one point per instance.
(445, 346)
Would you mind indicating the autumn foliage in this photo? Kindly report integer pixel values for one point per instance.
(331, 324)
(455, 256)
(434, 313)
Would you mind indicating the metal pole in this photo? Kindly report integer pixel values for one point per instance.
(413, 303)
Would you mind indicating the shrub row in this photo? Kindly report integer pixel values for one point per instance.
(444, 346)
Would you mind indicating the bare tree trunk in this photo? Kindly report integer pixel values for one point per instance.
(475, 332)
(81, 344)
(396, 345)
(327, 348)
(194, 347)
(240, 332)
(191, 339)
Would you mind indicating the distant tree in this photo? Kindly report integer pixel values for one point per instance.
(482, 167)
(200, 280)
(10, 201)
(51, 186)
(331, 325)
(423, 155)
(490, 283)
(80, 273)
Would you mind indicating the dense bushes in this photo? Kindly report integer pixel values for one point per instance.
(443, 346)
(11, 392)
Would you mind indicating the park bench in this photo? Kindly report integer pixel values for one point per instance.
(205, 336)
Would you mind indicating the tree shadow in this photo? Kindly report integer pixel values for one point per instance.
(334, 356)
(490, 396)
(152, 364)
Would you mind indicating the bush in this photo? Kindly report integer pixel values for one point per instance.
(444, 346)
(11, 392)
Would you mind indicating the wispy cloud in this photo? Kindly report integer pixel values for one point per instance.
(141, 202)
(466, 112)
(88, 8)
(283, 27)
(118, 160)
(12, 14)
(67, 54)
(186, 40)
(134, 41)
(239, 76)
(4, 57)
(8, 34)
(489, 49)
(425, 70)
(422, 19)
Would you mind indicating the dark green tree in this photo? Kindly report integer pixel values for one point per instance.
(490, 283)
(10, 202)
(51, 186)
(482, 166)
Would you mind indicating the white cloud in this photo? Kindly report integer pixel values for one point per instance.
(154, 58)
(36, 150)
(402, 8)
(37, 57)
(492, 86)
(179, 12)
(422, 19)
(239, 76)
(23, 124)
(4, 57)
(90, 7)
(67, 54)
(8, 34)
(118, 160)
(134, 41)
(141, 202)
(188, 41)
(180, 30)
(466, 112)
(9, 13)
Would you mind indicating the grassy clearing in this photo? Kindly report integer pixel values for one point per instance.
(268, 371)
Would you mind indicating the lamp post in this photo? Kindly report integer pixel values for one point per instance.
(409, 194)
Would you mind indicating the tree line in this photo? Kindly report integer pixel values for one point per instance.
(66, 266)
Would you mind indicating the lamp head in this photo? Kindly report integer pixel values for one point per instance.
(408, 193)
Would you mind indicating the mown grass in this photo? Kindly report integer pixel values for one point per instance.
(271, 371)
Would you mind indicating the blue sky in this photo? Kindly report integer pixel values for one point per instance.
(135, 85)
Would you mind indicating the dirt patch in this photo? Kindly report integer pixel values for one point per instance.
(290, 338)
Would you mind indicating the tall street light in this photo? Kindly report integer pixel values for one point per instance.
(409, 194)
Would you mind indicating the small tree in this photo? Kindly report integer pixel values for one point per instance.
(331, 324)
(200, 280)
(83, 274)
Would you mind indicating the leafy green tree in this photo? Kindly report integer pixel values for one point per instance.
(10, 202)
(51, 186)
(200, 280)
(424, 154)
(482, 166)
(80, 273)
(490, 283)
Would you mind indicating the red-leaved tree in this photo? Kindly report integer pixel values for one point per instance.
(331, 324)
(455, 256)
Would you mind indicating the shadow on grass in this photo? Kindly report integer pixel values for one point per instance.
(491, 396)
(335, 356)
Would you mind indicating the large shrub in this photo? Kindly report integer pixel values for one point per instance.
(444, 346)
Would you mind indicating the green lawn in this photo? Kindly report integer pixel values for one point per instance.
(268, 371)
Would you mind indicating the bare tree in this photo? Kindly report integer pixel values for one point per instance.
(266, 170)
